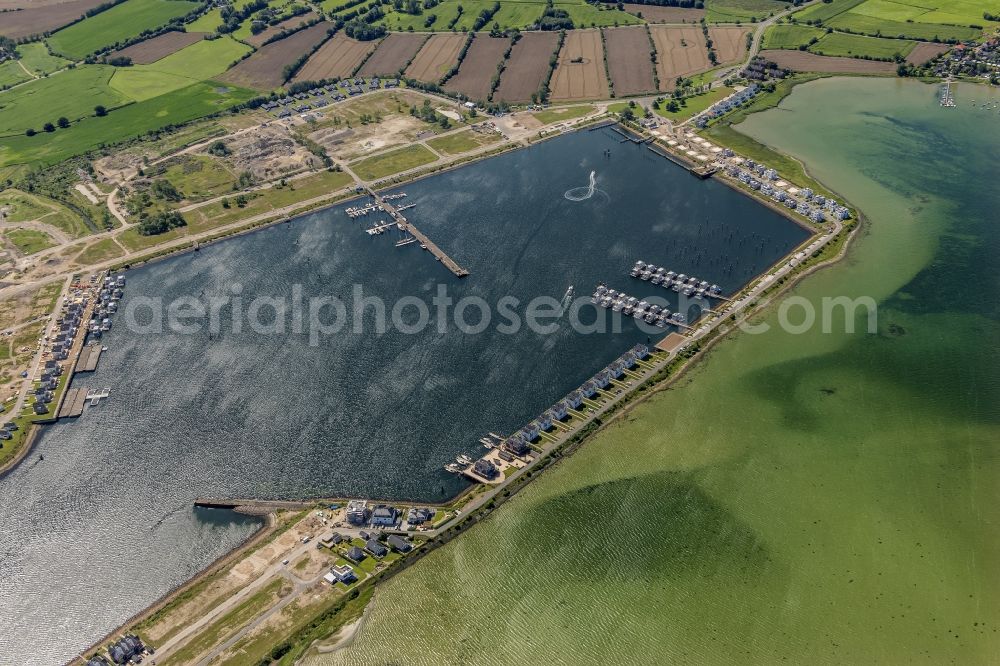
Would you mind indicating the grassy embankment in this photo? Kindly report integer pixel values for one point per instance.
(392, 162)
(462, 142)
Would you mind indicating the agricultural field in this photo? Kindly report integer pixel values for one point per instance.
(337, 59)
(580, 71)
(856, 46)
(730, 11)
(37, 19)
(207, 22)
(511, 14)
(72, 94)
(925, 51)
(480, 64)
(680, 51)
(117, 24)
(948, 12)
(527, 67)
(730, 43)
(803, 61)
(790, 36)
(121, 124)
(264, 70)
(914, 19)
(272, 30)
(393, 54)
(585, 15)
(436, 58)
(37, 59)
(437, 18)
(200, 61)
(911, 30)
(629, 64)
(11, 73)
(393, 162)
(160, 46)
(657, 14)
(823, 11)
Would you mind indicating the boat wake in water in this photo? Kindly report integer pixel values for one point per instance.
(584, 193)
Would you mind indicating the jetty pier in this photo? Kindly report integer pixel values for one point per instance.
(425, 242)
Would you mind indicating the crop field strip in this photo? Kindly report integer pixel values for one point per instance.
(161, 46)
(438, 55)
(803, 61)
(392, 54)
(854, 46)
(913, 19)
(680, 51)
(121, 22)
(40, 18)
(264, 69)
(480, 64)
(729, 11)
(925, 51)
(527, 67)
(628, 60)
(338, 58)
(658, 14)
(584, 79)
(272, 30)
(730, 43)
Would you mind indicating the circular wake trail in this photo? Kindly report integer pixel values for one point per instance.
(584, 193)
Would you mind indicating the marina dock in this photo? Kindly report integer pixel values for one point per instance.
(72, 404)
(89, 356)
(425, 242)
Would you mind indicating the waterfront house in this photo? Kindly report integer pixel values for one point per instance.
(545, 421)
(485, 468)
(357, 512)
(375, 548)
(559, 410)
(418, 515)
(125, 648)
(506, 457)
(40, 408)
(356, 554)
(574, 400)
(5, 434)
(399, 544)
(516, 444)
(531, 431)
(602, 379)
(385, 515)
(10, 425)
(97, 661)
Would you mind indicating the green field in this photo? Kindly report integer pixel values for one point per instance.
(36, 57)
(72, 94)
(953, 12)
(180, 106)
(207, 22)
(513, 14)
(729, 11)
(198, 62)
(25, 207)
(119, 23)
(549, 116)
(790, 36)
(695, 104)
(199, 177)
(824, 11)
(29, 241)
(841, 44)
(392, 162)
(462, 142)
(11, 73)
(855, 22)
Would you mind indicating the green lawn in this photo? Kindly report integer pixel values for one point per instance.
(102, 250)
(842, 44)
(694, 104)
(29, 241)
(549, 116)
(392, 162)
(180, 106)
(24, 207)
(36, 57)
(462, 142)
(823, 11)
(729, 11)
(198, 62)
(513, 14)
(73, 94)
(199, 177)
(117, 24)
(790, 36)
(585, 15)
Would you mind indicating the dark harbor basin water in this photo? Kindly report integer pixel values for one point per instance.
(104, 525)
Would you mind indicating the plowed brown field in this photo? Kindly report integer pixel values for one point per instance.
(584, 79)
(39, 19)
(628, 60)
(338, 58)
(657, 14)
(803, 61)
(160, 46)
(680, 51)
(264, 69)
(730, 43)
(437, 56)
(527, 67)
(393, 53)
(480, 64)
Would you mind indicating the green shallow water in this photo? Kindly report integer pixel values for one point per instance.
(809, 498)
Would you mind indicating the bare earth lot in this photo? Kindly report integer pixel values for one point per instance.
(924, 51)
(580, 72)
(392, 54)
(264, 69)
(161, 46)
(655, 14)
(480, 64)
(271, 31)
(680, 51)
(527, 66)
(628, 60)
(803, 61)
(730, 43)
(43, 17)
(437, 56)
(338, 58)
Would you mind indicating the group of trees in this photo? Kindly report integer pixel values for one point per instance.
(363, 31)
(429, 115)
(555, 19)
(161, 222)
(485, 16)
(62, 123)
(232, 17)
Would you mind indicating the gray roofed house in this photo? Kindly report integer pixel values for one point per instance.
(356, 554)
(399, 544)
(375, 548)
